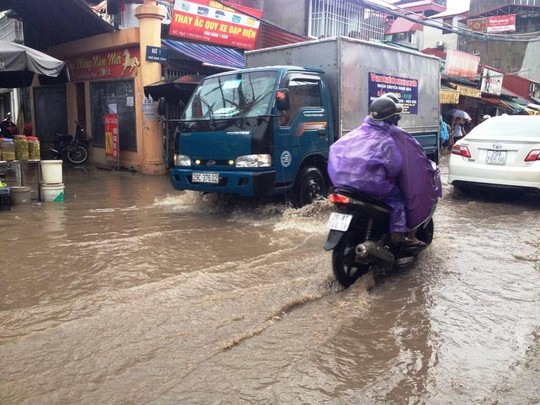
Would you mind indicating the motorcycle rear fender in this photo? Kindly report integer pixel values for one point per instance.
(333, 239)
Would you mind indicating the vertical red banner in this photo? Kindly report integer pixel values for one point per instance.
(111, 135)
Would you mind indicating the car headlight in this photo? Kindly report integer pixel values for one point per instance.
(182, 160)
(253, 161)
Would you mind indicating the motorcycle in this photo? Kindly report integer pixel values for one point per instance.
(359, 237)
(74, 148)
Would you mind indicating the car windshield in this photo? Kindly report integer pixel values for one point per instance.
(521, 125)
(236, 95)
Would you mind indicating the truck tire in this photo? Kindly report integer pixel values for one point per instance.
(310, 186)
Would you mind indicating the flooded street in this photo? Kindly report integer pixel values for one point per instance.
(129, 292)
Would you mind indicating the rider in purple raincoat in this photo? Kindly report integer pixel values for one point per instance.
(368, 159)
(384, 161)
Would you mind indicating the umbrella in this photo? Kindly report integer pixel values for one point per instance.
(173, 90)
(19, 64)
(454, 112)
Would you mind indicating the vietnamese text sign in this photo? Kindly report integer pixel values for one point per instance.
(406, 90)
(211, 21)
(111, 135)
(155, 54)
(104, 65)
(501, 23)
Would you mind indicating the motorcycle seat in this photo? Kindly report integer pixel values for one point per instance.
(359, 195)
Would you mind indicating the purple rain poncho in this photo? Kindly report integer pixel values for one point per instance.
(368, 159)
(419, 180)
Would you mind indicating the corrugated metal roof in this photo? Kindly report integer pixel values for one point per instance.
(209, 55)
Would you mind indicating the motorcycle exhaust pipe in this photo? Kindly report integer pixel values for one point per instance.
(369, 248)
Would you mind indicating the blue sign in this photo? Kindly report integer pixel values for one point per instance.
(405, 89)
(155, 54)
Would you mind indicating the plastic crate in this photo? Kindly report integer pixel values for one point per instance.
(5, 202)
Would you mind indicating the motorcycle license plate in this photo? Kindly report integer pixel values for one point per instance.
(212, 178)
(339, 222)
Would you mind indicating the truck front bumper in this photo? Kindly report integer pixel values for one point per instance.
(248, 184)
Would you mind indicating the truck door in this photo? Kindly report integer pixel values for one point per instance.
(303, 128)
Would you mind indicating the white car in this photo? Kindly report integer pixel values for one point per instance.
(501, 152)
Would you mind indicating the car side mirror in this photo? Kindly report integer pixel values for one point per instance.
(282, 99)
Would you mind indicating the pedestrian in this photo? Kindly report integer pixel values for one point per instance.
(456, 130)
(444, 133)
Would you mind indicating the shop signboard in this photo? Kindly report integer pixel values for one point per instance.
(461, 64)
(111, 64)
(491, 82)
(493, 24)
(501, 23)
(212, 21)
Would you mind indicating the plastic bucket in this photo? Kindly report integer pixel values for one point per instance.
(52, 192)
(51, 171)
(21, 195)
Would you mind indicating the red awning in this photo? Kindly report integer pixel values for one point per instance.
(403, 25)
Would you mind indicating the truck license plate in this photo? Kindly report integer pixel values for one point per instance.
(496, 157)
(197, 177)
(339, 222)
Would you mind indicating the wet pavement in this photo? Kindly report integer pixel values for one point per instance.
(131, 292)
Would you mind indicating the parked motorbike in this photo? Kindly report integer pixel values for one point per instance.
(74, 148)
(359, 237)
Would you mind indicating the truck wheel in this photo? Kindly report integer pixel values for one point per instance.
(310, 186)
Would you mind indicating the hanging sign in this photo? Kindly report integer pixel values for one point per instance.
(212, 21)
(111, 135)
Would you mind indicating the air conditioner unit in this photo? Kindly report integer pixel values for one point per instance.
(439, 44)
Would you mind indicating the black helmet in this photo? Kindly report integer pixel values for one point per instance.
(385, 109)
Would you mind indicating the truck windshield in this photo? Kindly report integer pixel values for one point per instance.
(235, 95)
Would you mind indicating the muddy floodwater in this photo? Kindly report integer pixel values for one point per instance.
(129, 292)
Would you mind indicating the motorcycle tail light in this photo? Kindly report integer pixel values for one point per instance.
(533, 155)
(461, 150)
(339, 199)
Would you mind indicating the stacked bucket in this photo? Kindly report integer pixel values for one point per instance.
(52, 186)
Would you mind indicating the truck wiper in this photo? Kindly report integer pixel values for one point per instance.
(207, 104)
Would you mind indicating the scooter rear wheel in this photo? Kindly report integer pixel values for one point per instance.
(77, 154)
(346, 269)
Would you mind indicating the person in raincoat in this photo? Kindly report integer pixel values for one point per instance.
(369, 160)
(420, 179)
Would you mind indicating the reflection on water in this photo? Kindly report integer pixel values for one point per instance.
(131, 292)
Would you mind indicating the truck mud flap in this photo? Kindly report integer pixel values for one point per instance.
(333, 239)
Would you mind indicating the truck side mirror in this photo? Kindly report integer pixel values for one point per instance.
(282, 99)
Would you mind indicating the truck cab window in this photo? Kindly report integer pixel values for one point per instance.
(303, 92)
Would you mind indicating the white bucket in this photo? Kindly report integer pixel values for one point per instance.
(51, 171)
(52, 192)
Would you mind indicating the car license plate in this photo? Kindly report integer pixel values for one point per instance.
(496, 157)
(339, 222)
(197, 177)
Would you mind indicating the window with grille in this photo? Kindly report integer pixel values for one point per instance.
(331, 18)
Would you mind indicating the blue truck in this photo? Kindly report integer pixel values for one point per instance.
(266, 130)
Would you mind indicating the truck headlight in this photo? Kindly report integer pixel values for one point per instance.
(254, 161)
(182, 160)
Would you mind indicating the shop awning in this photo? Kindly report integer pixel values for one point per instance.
(469, 91)
(403, 25)
(448, 96)
(208, 55)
